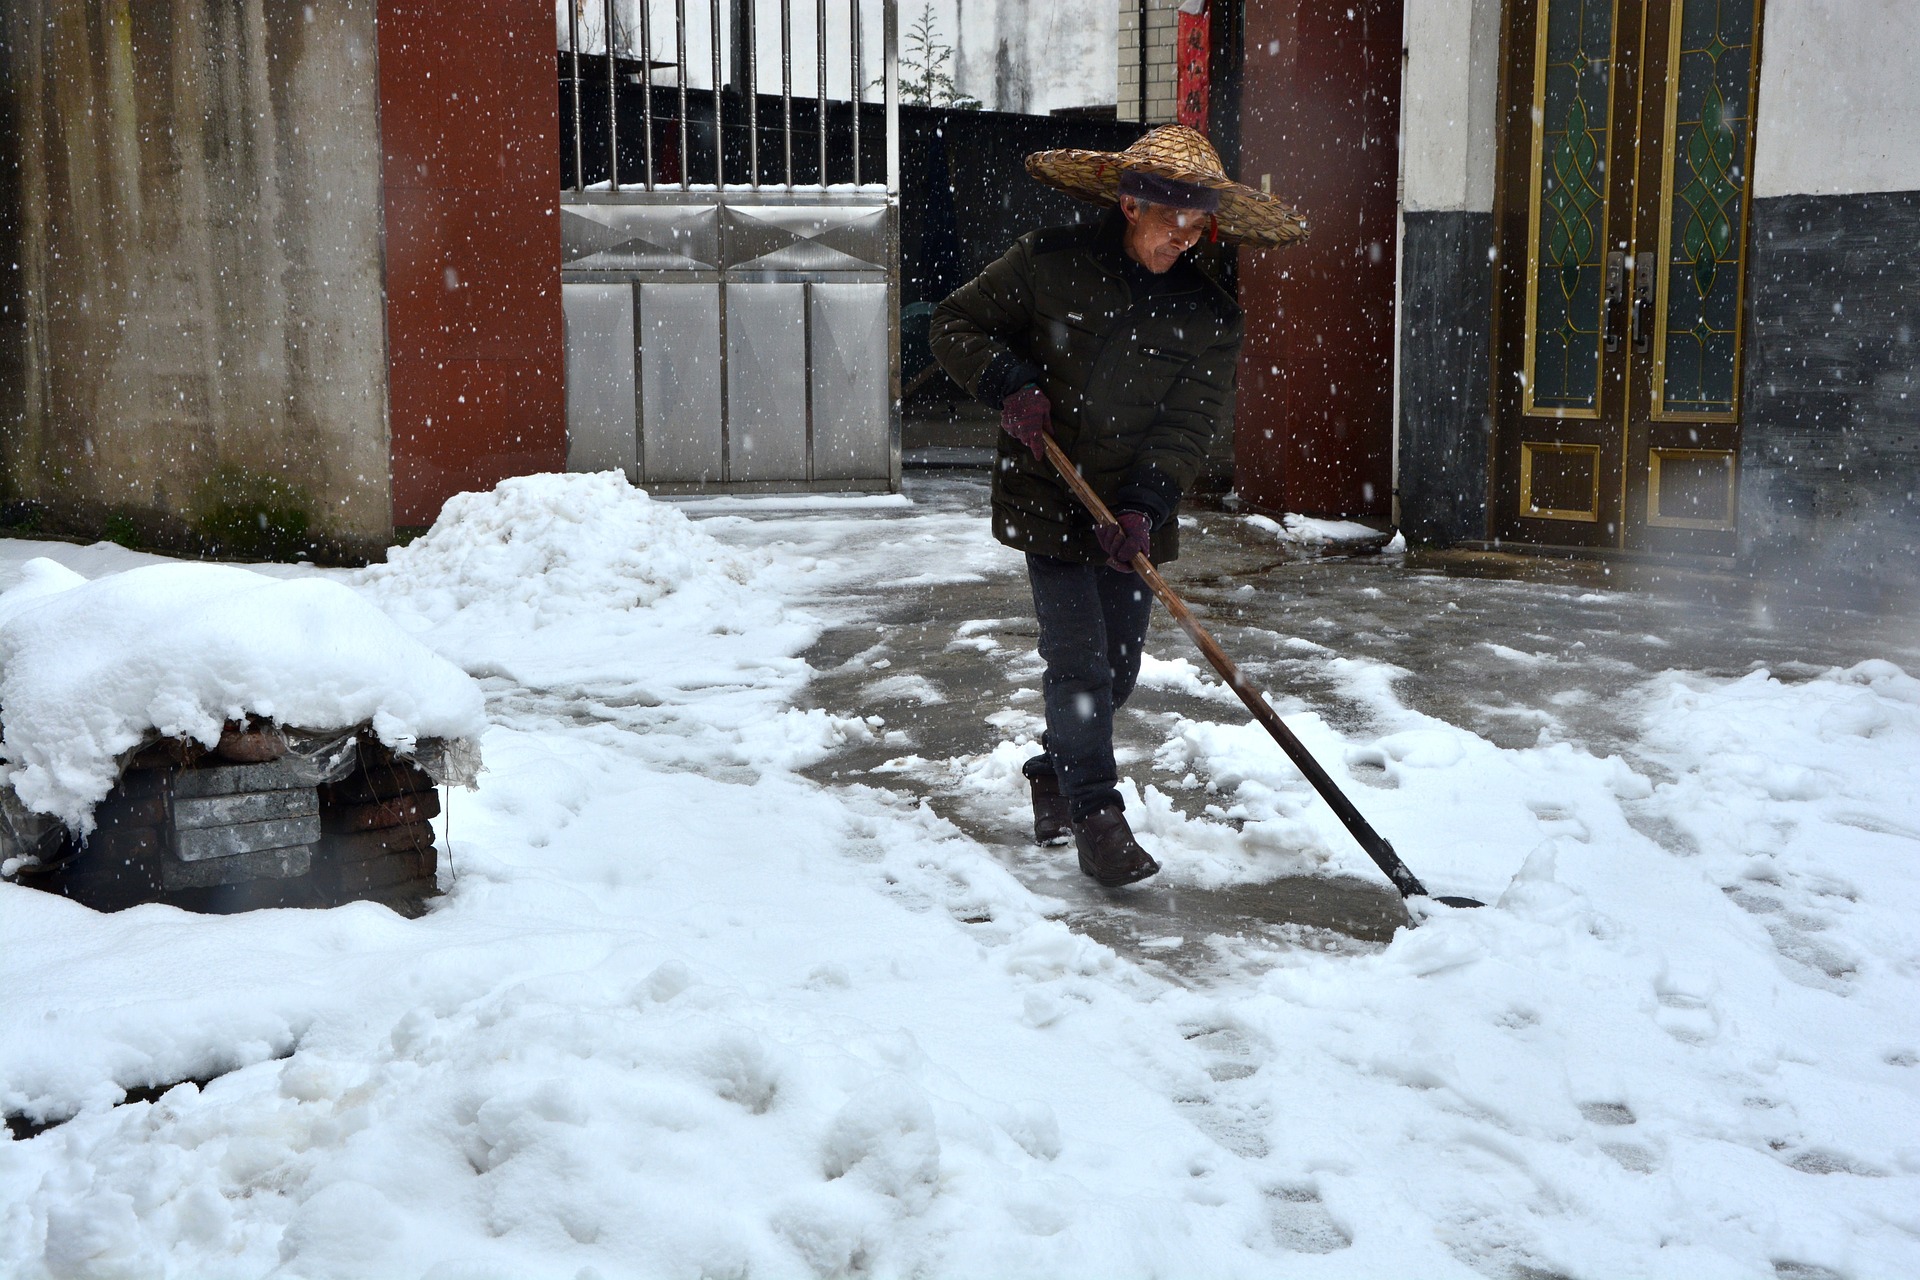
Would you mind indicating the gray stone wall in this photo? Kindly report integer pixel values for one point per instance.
(193, 218)
(1446, 425)
(1830, 443)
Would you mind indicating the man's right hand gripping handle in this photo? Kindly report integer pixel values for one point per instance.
(1027, 416)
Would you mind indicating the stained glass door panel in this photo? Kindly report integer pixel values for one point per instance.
(1709, 75)
(1621, 215)
(1567, 208)
(1566, 198)
(1691, 207)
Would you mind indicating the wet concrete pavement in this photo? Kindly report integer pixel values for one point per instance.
(1514, 648)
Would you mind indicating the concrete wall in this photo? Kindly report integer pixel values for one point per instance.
(1830, 441)
(196, 226)
(1839, 114)
(471, 138)
(1443, 412)
(1320, 117)
(1452, 90)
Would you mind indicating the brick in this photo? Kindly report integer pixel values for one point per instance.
(121, 810)
(201, 844)
(106, 882)
(283, 774)
(252, 895)
(387, 813)
(362, 845)
(166, 753)
(385, 873)
(408, 900)
(378, 782)
(263, 864)
(252, 806)
(123, 843)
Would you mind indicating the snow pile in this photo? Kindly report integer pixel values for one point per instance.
(1181, 675)
(560, 581)
(544, 549)
(89, 669)
(1311, 531)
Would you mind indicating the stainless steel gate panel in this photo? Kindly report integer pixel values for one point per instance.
(761, 340)
(682, 439)
(807, 239)
(640, 237)
(847, 329)
(600, 407)
(766, 382)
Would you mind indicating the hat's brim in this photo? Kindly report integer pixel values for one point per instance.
(1246, 216)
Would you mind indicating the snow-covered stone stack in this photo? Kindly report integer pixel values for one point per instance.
(220, 740)
(266, 818)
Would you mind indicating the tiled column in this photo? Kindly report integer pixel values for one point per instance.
(1162, 21)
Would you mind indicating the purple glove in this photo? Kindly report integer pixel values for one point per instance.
(1125, 540)
(1027, 416)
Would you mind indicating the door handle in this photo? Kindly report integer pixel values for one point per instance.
(1641, 323)
(1616, 294)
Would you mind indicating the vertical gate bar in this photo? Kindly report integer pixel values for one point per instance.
(858, 89)
(1143, 61)
(639, 366)
(680, 61)
(613, 110)
(646, 74)
(890, 99)
(890, 89)
(820, 81)
(726, 366)
(753, 92)
(806, 345)
(573, 49)
(719, 115)
(786, 81)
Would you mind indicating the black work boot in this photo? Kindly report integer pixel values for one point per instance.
(1108, 851)
(1052, 815)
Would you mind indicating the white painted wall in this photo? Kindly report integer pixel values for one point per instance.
(1452, 87)
(1839, 98)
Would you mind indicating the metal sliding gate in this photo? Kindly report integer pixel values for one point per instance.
(730, 265)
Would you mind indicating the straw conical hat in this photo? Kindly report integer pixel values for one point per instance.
(1175, 151)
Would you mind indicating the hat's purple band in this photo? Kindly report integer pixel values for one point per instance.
(1157, 190)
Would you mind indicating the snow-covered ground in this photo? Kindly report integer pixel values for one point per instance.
(686, 1012)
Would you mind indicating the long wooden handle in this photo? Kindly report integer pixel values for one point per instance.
(1362, 831)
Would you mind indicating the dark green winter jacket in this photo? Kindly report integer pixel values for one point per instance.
(1140, 370)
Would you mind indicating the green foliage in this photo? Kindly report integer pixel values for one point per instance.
(119, 527)
(926, 68)
(254, 517)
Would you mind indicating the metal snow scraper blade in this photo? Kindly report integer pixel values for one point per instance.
(1372, 841)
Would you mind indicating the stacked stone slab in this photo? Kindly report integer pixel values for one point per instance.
(256, 823)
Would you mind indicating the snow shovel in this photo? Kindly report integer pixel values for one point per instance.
(1376, 846)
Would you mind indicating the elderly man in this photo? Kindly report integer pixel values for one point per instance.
(1105, 338)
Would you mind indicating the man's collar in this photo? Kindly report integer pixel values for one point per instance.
(1109, 241)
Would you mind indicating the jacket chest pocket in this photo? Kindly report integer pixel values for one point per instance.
(1068, 337)
(1146, 369)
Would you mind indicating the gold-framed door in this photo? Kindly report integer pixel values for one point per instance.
(1620, 242)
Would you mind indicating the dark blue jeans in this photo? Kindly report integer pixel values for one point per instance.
(1093, 622)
